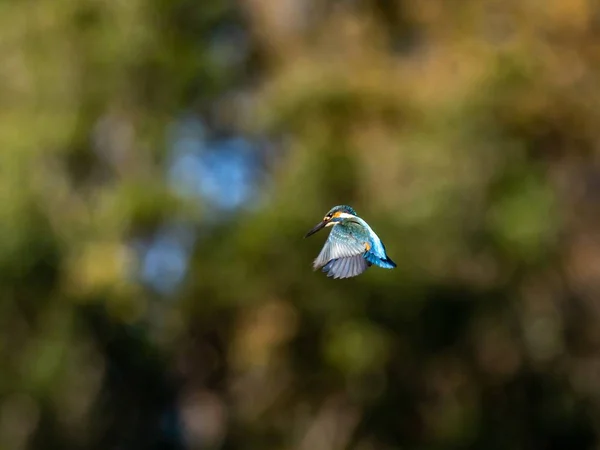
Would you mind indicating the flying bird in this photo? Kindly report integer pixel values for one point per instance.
(352, 246)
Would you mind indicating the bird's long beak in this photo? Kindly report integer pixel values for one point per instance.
(316, 228)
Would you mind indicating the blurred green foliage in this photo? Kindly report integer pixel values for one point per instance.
(465, 133)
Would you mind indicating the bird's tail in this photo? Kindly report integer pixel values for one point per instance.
(385, 263)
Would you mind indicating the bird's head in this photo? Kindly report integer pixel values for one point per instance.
(334, 216)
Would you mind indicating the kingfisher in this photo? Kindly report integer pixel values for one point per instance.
(352, 246)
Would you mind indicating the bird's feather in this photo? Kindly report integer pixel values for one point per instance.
(346, 240)
(346, 267)
(342, 255)
(385, 262)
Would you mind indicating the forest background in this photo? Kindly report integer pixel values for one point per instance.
(162, 159)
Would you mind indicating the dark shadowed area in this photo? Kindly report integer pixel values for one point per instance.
(161, 161)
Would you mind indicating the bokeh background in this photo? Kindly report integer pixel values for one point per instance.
(161, 161)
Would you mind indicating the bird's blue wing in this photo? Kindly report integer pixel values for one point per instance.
(342, 255)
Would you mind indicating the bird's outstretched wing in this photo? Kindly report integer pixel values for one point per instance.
(346, 267)
(342, 254)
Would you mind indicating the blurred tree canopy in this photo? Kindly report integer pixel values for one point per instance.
(162, 159)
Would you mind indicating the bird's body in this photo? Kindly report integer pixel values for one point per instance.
(352, 246)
